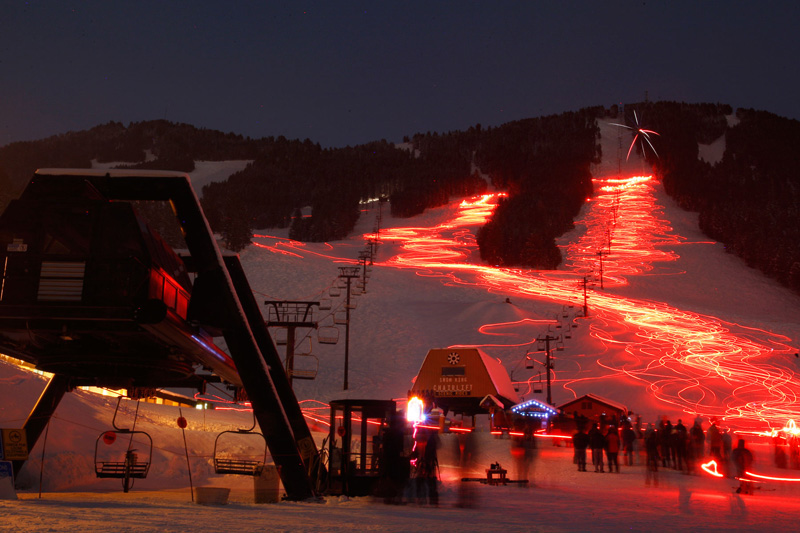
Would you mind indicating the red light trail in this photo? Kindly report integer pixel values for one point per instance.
(699, 364)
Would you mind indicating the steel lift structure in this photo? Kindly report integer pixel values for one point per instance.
(90, 293)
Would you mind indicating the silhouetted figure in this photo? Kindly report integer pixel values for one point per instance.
(427, 470)
(580, 441)
(598, 443)
(664, 433)
(698, 439)
(628, 443)
(523, 450)
(714, 442)
(612, 449)
(680, 437)
(468, 446)
(651, 449)
(394, 469)
(742, 461)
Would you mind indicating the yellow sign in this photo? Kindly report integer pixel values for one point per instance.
(15, 444)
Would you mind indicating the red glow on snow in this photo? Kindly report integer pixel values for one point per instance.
(699, 364)
(690, 362)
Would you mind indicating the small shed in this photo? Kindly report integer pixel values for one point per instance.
(457, 379)
(594, 408)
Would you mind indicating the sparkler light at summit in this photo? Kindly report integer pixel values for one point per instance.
(642, 135)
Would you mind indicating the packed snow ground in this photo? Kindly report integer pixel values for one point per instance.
(402, 315)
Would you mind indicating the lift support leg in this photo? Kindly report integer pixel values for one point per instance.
(42, 412)
(302, 435)
(215, 301)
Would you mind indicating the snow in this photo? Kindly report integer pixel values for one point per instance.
(405, 312)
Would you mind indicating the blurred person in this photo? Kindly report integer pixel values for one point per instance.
(612, 449)
(523, 450)
(698, 439)
(664, 441)
(651, 448)
(395, 468)
(468, 446)
(742, 461)
(680, 436)
(598, 443)
(714, 441)
(628, 443)
(580, 441)
(427, 468)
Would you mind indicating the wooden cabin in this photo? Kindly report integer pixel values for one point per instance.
(595, 409)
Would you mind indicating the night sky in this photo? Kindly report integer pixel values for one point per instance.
(348, 72)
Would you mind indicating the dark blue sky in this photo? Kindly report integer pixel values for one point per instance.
(347, 72)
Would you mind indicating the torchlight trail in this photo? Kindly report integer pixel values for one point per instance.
(700, 364)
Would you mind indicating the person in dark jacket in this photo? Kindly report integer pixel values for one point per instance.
(612, 449)
(742, 461)
(628, 441)
(598, 443)
(664, 438)
(651, 448)
(580, 441)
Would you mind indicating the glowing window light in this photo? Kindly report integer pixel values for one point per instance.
(415, 411)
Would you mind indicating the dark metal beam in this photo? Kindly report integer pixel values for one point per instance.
(42, 413)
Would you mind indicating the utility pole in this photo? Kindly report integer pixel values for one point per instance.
(600, 255)
(347, 273)
(290, 315)
(548, 363)
(363, 257)
(585, 301)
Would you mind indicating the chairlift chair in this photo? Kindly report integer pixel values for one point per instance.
(239, 465)
(325, 304)
(335, 292)
(340, 317)
(306, 366)
(280, 336)
(130, 467)
(537, 387)
(328, 335)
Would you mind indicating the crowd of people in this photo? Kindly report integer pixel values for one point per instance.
(666, 446)
(410, 470)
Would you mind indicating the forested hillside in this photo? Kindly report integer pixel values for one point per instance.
(750, 200)
(543, 163)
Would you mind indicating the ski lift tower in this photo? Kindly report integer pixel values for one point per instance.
(290, 315)
(347, 273)
(364, 257)
(548, 365)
